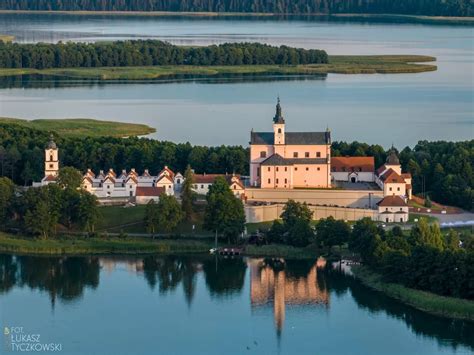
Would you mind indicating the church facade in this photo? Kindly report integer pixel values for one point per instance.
(289, 160)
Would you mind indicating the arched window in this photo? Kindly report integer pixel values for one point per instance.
(51, 157)
(279, 130)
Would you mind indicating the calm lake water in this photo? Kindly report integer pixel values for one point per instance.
(380, 109)
(203, 305)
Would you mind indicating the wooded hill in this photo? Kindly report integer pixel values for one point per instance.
(408, 7)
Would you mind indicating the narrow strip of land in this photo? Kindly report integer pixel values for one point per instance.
(82, 127)
(469, 20)
(424, 301)
(339, 64)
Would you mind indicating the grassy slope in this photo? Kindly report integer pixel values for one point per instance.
(424, 301)
(394, 64)
(116, 245)
(6, 38)
(83, 127)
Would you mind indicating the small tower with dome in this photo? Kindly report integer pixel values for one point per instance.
(51, 159)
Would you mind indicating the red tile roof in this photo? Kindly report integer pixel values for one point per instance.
(150, 191)
(391, 176)
(170, 172)
(364, 164)
(50, 178)
(392, 201)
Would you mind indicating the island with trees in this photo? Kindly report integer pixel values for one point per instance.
(151, 59)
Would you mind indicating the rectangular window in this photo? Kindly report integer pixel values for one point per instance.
(268, 168)
(295, 154)
(318, 154)
(277, 168)
(286, 181)
(318, 169)
(286, 169)
(389, 189)
(307, 168)
(277, 181)
(202, 186)
(269, 181)
(258, 172)
(263, 154)
(306, 155)
(398, 189)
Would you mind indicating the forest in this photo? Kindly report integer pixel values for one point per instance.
(149, 53)
(411, 7)
(443, 170)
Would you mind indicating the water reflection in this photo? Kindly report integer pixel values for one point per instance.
(292, 288)
(281, 283)
(38, 81)
(63, 278)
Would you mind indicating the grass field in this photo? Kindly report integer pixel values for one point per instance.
(425, 301)
(6, 38)
(83, 127)
(389, 64)
(116, 245)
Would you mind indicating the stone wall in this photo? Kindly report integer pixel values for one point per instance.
(267, 213)
(329, 197)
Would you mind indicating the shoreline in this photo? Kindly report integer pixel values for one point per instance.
(381, 16)
(447, 307)
(77, 246)
(340, 64)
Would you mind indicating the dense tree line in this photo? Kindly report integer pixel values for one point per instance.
(414, 7)
(425, 260)
(148, 53)
(39, 211)
(443, 170)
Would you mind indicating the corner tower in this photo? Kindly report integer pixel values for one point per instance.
(51, 159)
(278, 126)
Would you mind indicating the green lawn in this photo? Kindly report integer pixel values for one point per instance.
(76, 245)
(341, 64)
(81, 127)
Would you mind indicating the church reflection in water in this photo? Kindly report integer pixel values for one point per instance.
(271, 282)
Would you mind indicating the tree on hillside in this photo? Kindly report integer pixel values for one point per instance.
(151, 217)
(366, 240)
(69, 178)
(187, 194)
(332, 232)
(70, 207)
(451, 240)
(224, 212)
(295, 211)
(88, 211)
(6, 198)
(168, 214)
(422, 234)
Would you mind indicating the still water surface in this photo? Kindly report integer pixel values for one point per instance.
(202, 305)
(372, 108)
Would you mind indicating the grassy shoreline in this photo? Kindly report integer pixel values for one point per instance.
(340, 64)
(424, 301)
(417, 18)
(135, 246)
(78, 127)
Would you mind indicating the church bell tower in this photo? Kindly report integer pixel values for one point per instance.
(51, 159)
(279, 126)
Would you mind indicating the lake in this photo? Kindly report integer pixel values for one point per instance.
(205, 305)
(384, 109)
